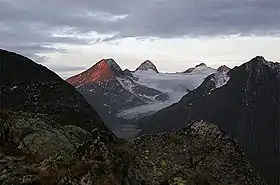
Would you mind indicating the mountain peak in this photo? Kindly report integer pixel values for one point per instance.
(259, 65)
(223, 69)
(104, 70)
(259, 58)
(113, 64)
(260, 61)
(201, 64)
(193, 68)
(146, 65)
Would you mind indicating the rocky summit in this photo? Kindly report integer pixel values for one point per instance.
(147, 65)
(102, 72)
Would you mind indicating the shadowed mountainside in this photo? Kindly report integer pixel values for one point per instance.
(247, 108)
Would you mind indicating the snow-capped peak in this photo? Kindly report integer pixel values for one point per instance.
(197, 67)
(147, 65)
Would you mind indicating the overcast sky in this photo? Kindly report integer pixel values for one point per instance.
(69, 36)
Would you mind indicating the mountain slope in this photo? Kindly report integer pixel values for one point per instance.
(13, 65)
(246, 107)
(26, 86)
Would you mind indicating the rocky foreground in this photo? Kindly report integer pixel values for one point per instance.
(198, 154)
(36, 150)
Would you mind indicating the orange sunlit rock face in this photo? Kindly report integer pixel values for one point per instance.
(96, 74)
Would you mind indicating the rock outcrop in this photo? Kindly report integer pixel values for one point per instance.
(36, 150)
(223, 69)
(198, 154)
(147, 65)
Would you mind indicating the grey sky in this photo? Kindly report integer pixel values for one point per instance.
(35, 27)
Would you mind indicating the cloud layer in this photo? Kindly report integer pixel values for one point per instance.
(33, 26)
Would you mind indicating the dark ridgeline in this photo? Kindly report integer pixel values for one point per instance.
(28, 86)
(247, 108)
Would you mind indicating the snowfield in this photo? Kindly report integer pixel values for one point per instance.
(176, 85)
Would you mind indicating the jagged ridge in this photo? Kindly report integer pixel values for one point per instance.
(28, 86)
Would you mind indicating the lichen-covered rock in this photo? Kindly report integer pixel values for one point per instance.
(147, 65)
(198, 154)
(35, 134)
(37, 150)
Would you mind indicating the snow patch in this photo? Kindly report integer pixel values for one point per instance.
(221, 79)
(126, 84)
(143, 110)
(175, 85)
